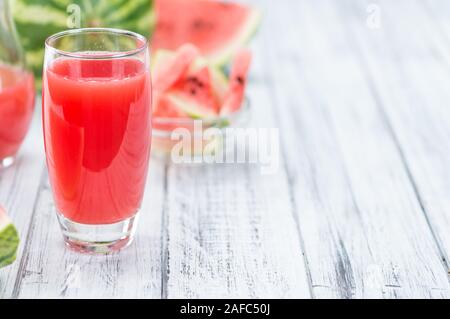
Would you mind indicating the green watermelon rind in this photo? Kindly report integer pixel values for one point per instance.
(9, 243)
(220, 82)
(192, 109)
(223, 58)
(37, 19)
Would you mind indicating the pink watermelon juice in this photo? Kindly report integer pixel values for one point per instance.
(97, 120)
(16, 108)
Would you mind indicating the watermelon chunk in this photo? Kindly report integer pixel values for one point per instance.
(194, 94)
(168, 68)
(193, 91)
(165, 111)
(217, 28)
(238, 82)
(9, 240)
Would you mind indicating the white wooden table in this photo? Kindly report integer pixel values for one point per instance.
(359, 208)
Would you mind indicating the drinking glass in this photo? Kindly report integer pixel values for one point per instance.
(96, 103)
(17, 92)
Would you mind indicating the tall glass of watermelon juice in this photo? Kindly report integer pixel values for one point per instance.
(97, 129)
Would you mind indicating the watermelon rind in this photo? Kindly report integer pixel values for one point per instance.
(9, 240)
(222, 58)
(219, 83)
(190, 107)
(38, 19)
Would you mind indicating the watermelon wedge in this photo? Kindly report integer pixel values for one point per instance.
(186, 91)
(238, 82)
(217, 28)
(168, 68)
(193, 93)
(9, 240)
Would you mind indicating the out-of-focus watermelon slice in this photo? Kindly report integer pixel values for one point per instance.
(238, 82)
(164, 113)
(217, 28)
(168, 68)
(196, 92)
(9, 240)
(37, 19)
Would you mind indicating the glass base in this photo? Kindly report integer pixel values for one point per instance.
(98, 239)
(6, 162)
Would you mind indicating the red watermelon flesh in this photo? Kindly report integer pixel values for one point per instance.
(238, 82)
(191, 97)
(167, 69)
(217, 28)
(167, 72)
(166, 111)
(193, 91)
(194, 95)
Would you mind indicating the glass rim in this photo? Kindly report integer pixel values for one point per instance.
(104, 55)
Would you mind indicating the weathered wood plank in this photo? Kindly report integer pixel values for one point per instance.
(364, 231)
(19, 186)
(231, 232)
(418, 108)
(236, 239)
(50, 270)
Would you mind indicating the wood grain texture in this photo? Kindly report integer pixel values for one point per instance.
(413, 93)
(363, 227)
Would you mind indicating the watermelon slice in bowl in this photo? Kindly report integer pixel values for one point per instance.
(238, 81)
(218, 28)
(164, 128)
(198, 90)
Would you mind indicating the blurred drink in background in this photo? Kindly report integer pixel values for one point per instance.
(17, 91)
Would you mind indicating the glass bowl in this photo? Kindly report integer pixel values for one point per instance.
(196, 138)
